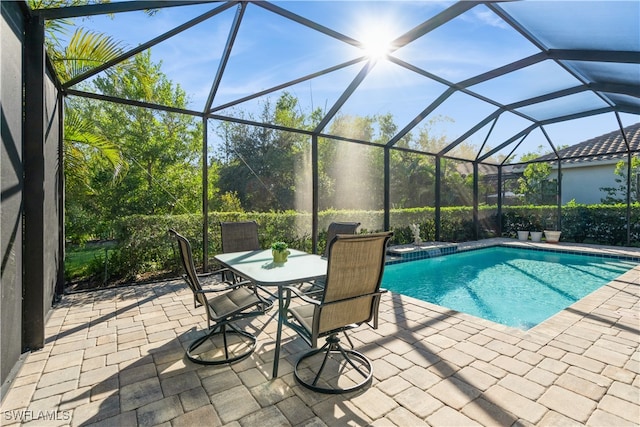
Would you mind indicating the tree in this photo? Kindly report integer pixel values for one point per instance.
(535, 183)
(267, 168)
(161, 148)
(351, 173)
(619, 194)
(84, 51)
(412, 179)
(536, 186)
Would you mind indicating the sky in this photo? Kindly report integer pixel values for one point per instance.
(270, 50)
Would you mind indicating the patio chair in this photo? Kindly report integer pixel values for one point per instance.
(351, 296)
(339, 228)
(234, 302)
(333, 229)
(239, 237)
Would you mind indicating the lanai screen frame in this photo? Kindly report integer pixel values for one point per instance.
(601, 89)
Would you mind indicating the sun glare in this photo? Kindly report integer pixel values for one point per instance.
(376, 38)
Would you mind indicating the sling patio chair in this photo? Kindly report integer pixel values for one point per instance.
(351, 296)
(229, 305)
(334, 228)
(339, 228)
(239, 237)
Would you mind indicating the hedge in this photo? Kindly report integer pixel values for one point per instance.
(144, 246)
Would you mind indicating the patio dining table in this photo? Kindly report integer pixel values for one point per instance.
(259, 268)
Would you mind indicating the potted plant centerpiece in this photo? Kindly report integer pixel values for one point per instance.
(280, 252)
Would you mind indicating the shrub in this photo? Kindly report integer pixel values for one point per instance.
(144, 246)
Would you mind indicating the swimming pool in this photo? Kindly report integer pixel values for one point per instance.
(511, 286)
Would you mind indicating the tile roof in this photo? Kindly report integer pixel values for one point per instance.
(609, 146)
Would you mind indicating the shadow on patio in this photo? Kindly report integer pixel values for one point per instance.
(116, 357)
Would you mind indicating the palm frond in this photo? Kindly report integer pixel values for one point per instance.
(86, 50)
(80, 139)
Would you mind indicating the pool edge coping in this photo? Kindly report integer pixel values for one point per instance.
(557, 324)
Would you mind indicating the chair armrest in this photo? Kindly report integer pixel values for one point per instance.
(262, 288)
(214, 272)
(204, 275)
(300, 294)
(220, 286)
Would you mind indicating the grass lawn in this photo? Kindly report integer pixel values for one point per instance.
(83, 261)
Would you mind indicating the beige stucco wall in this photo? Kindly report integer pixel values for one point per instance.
(583, 182)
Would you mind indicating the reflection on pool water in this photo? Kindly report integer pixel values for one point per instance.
(514, 287)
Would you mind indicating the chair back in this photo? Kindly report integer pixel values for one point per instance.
(339, 228)
(239, 236)
(190, 276)
(352, 289)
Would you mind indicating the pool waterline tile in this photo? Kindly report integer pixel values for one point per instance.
(411, 252)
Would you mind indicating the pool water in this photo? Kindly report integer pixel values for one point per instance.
(514, 287)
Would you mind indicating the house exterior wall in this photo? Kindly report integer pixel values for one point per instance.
(583, 181)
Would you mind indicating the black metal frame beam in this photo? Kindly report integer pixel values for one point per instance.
(547, 97)
(345, 96)
(307, 23)
(505, 69)
(231, 38)
(619, 56)
(429, 25)
(520, 134)
(579, 115)
(420, 117)
(33, 288)
(287, 84)
(107, 8)
(315, 193)
(463, 87)
(629, 169)
(205, 194)
(615, 88)
(59, 288)
(491, 117)
(149, 44)
(387, 188)
(134, 103)
(449, 13)
(476, 193)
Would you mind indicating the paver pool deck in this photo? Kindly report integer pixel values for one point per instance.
(115, 357)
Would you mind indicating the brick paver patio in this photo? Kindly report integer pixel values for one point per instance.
(116, 358)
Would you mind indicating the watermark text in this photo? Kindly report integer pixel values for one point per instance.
(26, 415)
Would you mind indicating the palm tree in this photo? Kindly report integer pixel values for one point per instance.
(84, 51)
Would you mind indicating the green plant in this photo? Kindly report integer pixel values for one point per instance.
(142, 247)
(279, 246)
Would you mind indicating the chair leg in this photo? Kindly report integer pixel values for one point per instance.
(333, 350)
(348, 339)
(324, 361)
(250, 341)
